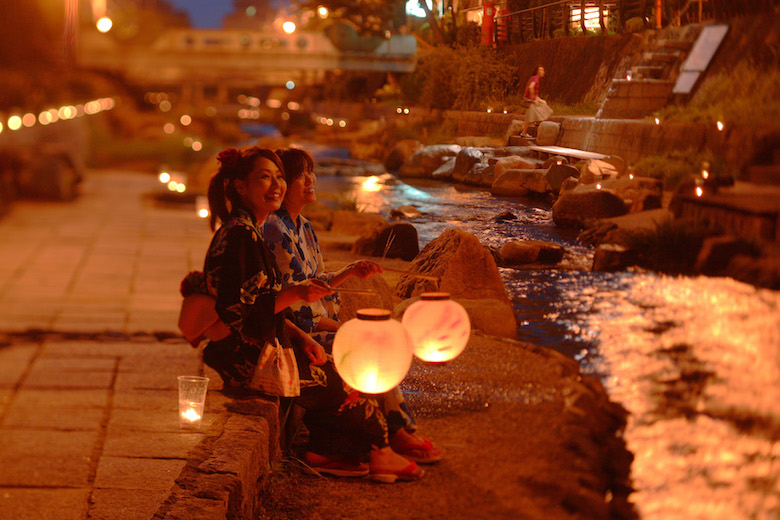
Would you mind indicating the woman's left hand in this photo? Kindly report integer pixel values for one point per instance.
(315, 352)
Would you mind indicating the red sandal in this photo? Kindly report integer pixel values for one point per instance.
(409, 473)
(422, 451)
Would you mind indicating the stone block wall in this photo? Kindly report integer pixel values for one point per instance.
(636, 99)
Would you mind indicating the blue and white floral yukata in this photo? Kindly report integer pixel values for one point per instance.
(299, 257)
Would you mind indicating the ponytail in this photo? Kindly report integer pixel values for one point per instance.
(218, 208)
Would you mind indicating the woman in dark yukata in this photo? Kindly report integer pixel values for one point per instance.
(348, 432)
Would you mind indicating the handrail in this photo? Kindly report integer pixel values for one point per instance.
(530, 9)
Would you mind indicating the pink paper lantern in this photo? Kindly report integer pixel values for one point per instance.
(438, 327)
(372, 353)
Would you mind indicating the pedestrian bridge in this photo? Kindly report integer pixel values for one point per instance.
(239, 58)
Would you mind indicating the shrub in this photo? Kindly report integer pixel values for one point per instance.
(672, 167)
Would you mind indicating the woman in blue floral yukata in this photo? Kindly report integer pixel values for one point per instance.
(346, 428)
(294, 244)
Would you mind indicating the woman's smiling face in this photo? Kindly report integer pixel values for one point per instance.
(263, 189)
(301, 191)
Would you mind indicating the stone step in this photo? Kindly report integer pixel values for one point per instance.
(680, 45)
(661, 57)
(648, 71)
(518, 140)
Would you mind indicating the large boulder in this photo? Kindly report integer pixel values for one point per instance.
(356, 223)
(574, 207)
(557, 173)
(465, 161)
(512, 162)
(400, 153)
(351, 302)
(518, 183)
(464, 267)
(491, 317)
(425, 161)
(481, 174)
(520, 252)
(395, 240)
(444, 172)
(612, 257)
(547, 133)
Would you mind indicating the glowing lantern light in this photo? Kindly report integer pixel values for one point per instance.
(438, 327)
(322, 11)
(720, 126)
(372, 353)
(657, 121)
(104, 24)
(14, 122)
(185, 120)
(699, 191)
(202, 206)
(168, 128)
(164, 177)
(28, 120)
(288, 27)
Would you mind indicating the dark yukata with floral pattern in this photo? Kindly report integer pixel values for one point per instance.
(242, 275)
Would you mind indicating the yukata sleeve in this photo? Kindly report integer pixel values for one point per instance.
(332, 302)
(280, 242)
(245, 298)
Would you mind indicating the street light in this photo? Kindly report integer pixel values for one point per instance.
(104, 24)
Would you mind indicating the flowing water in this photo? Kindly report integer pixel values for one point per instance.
(696, 361)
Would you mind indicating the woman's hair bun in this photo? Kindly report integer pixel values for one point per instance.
(229, 158)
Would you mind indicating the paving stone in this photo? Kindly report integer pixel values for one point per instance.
(45, 458)
(43, 504)
(138, 473)
(134, 399)
(59, 379)
(74, 365)
(69, 399)
(147, 381)
(64, 419)
(153, 420)
(122, 443)
(124, 504)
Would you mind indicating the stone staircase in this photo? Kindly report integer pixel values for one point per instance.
(647, 86)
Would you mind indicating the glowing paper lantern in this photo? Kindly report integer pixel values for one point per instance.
(372, 353)
(438, 327)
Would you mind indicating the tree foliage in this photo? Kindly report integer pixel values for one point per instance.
(369, 17)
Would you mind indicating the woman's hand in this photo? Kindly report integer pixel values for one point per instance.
(312, 290)
(364, 269)
(315, 352)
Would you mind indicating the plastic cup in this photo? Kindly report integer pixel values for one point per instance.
(192, 398)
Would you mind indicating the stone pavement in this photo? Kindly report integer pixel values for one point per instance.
(89, 354)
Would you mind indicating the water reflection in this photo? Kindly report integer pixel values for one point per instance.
(696, 361)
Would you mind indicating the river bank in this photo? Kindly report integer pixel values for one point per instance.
(525, 435)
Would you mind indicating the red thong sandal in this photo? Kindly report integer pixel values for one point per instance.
(409, 473)
(422, 451)
(337, 467)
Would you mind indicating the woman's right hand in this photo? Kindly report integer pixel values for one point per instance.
(312, 290)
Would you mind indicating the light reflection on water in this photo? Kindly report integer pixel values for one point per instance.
(696, 361)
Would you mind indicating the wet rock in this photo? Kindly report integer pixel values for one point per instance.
(481, 174)
(515, 128)
(557, 173)
(423, 163)
(465, 161)
(644, 200)
(618, 163)
(356, 223)
(478, 141)
(394, 240)
(598, 170)
(512, 162)
(506, 215)
(405, 212)
(555, 159)
(465, 269)
(519, 252)
(568, 184)
(400, 153)
(574, 207)
(521, 182)
(491, 317)
(612, 257)
(716, 253)
(547, 133)
(444, 172)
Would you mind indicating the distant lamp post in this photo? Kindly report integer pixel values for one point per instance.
(438, 327)
(104, 24)
(372, 352)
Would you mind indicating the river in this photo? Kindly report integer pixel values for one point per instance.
(696, 361)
